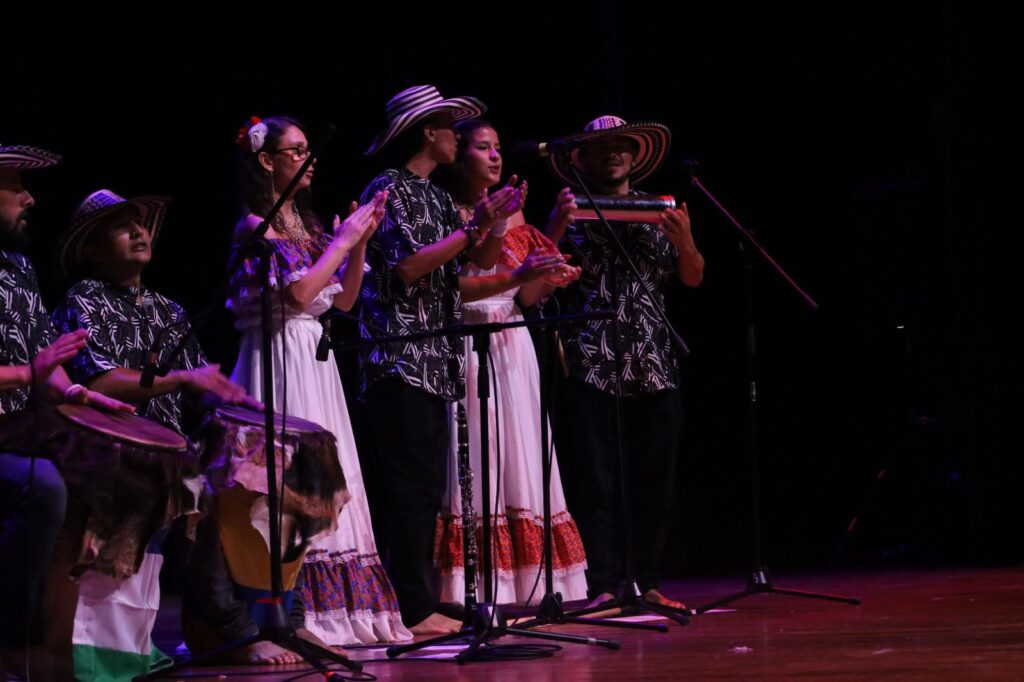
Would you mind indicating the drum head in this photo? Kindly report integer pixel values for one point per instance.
(122, 426)
(244, 415)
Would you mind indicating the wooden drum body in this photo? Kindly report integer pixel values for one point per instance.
(311, 486)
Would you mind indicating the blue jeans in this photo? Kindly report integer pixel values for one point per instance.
(32, 504)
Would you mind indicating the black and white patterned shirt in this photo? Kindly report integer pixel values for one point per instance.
(121, 332)
(649, 362)
(24, 323)
(419, 213)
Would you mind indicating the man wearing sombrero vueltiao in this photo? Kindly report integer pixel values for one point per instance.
(105, 252)
(614, 158)
(32, 492)
(413, 287)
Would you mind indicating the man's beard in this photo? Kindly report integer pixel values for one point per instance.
(12, 239)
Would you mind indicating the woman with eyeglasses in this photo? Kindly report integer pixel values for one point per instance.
(347, 596)
(529, 268)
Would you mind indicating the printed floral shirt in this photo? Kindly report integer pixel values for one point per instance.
(649, 362)
(418, 214)
(121, 333)
(25, 326)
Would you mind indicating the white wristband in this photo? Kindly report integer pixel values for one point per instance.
(74, 393)
(500, 228)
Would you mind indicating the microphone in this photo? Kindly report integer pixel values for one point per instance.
(323, 346)
(533, 150)
(690, 167)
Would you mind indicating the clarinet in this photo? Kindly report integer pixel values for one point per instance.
(468, 511)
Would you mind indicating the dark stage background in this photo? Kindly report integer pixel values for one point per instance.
(869, 147)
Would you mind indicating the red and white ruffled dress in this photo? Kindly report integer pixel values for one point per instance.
(515, 426)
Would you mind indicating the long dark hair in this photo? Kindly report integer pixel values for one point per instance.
(456, 184)
(255, 186)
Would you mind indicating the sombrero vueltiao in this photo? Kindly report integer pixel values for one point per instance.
(92, 212)
(23, 157)
(652, 141)
(416, 103)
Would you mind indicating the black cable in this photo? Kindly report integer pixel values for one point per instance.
(284, 409)
(552, 378)
(31, 399)
(497, 492)
(335, 674)
(540, 387)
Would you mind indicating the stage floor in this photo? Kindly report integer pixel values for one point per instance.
(955, 624)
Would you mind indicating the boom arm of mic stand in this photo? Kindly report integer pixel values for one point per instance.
(811, 303)
(469, 330)
(681, 346)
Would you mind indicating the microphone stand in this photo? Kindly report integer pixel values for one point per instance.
(273, 622)
(759, 581)
(485, 622)
(630, 600)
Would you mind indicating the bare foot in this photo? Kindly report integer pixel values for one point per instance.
(436, 624)
(308, 636)
(600, 599)
(656, 597)
(264, 653)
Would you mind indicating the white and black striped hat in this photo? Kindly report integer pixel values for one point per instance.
(416, 103)
(652, 141)
(23, 157)
(92, 212)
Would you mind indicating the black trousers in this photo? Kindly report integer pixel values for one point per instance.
(207, 591)
(405, 472)
(586, 434)
(33, 501)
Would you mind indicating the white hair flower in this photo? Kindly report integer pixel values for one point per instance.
(257, 135)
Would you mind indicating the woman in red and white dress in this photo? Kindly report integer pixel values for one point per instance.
(528, 270)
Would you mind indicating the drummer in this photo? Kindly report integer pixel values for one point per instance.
(32, 491)
(105, 251)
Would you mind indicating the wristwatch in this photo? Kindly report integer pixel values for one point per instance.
(473, 232)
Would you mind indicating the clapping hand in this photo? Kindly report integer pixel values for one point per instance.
(362, 221)
(563, 275)
(539, 265)
(507, 201)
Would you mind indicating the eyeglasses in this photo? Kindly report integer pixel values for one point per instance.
(298, 153)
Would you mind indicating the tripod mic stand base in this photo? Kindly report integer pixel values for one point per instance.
(760, 582)
(628, 603)
(487, 623)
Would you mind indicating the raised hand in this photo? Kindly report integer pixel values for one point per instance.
(57, 353)
(491, 208)
(676, 226)
(361, 221)
(563, 213)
